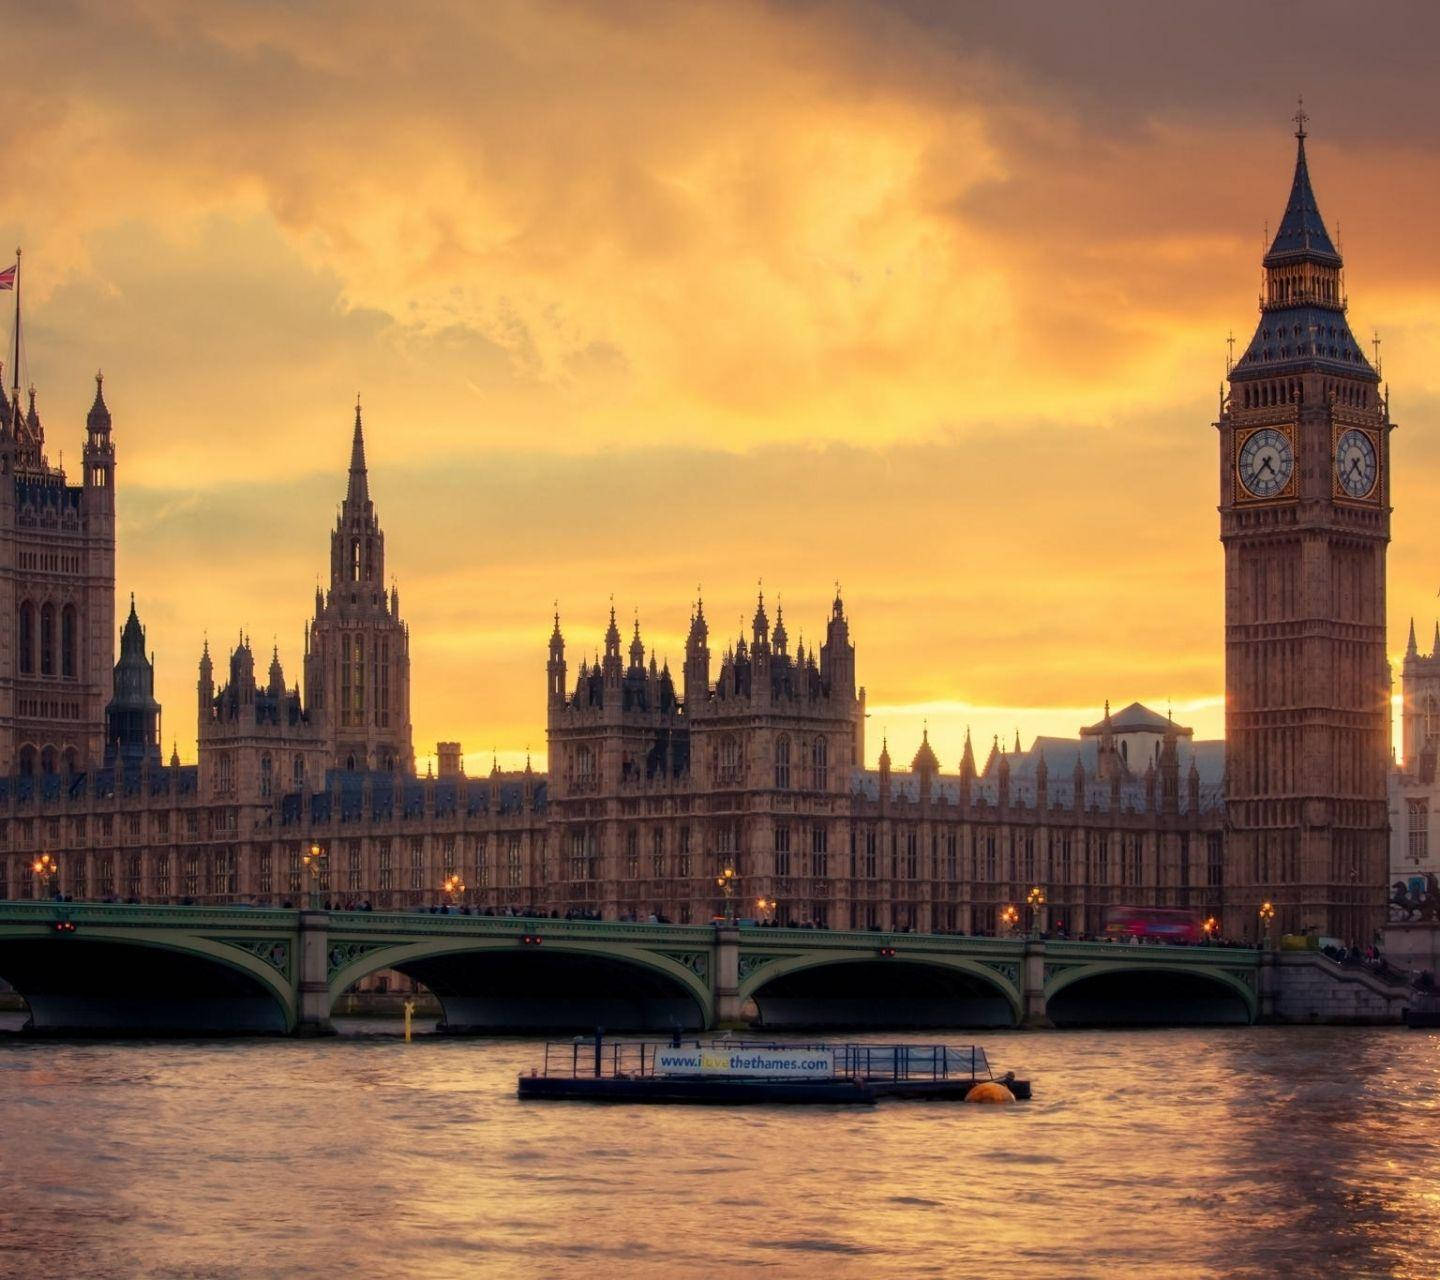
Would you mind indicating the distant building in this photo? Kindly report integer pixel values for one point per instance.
(57, 583)
(1415, 788)
(747, 778)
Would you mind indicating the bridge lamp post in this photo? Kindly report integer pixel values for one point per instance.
(1035, 901)
(48, 870)
(726, 881)
(316, 864)
(453, 888)
(1267, 916)
(1009, 916)
(1210, 928)
(765, 907)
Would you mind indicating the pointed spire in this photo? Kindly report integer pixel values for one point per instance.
(359, 488)
(99, 415)
(1435, 643)
(885, 753)
(174, 754)
(967, 759)
(1410, 649)
(1302, 230)
(1017, 742)
(637, 646)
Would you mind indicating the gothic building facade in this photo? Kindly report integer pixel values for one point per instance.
(742, 787)
(57, 584)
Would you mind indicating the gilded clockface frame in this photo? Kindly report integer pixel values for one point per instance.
(1264, 464)
(1357, 464)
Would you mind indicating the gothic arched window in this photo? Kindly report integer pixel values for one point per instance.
(729, 758)
(27, 638)
(267, 774)
(47, 640)
(298, 770)
(820, 765)
(782, 763)
(27, 761)
(584, 766)
(47, 760)
(67, 642)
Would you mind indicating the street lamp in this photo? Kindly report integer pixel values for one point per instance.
(1267, 914)
(726, 881)
(765, 907)
(453, 888)
(1008, 916)
(48, 870)
(1035, 900)
(1210, 927)
(315, 863)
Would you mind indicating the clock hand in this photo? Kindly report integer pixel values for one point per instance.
(1264, 465)
(1354, 465)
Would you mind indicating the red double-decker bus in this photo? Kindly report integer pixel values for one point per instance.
(1157, 924)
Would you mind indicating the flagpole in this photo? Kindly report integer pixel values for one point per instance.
(15, 373)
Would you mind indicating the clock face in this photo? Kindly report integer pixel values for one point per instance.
(1267, 461)
(1355, 463)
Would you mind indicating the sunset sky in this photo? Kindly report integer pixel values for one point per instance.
(928, 298)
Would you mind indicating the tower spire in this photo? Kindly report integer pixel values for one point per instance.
(359, 487)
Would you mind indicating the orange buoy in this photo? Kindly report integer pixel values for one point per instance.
(990, 1091)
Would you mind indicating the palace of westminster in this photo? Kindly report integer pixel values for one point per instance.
(754, 759)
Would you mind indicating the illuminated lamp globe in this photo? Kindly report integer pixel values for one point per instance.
(990, 1091)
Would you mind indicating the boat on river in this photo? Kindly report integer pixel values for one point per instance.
(725, 1071)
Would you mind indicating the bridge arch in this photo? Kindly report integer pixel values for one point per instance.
(499, 984)
(126, 982)
(1146, 992)
(844, 989)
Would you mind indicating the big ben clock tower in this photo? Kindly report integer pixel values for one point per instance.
(1305, 519)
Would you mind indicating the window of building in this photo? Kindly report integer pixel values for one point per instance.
(162, 875)
(782, 850)
(682, 856)
(294, 871)
(657, 853)
(353, 866)
(1417, 813)
(1214, 859)
(632, 855)
(584, 766)
(514, 865)
(417, 863)
(265, 872)
(267, 769)
(912, 854)
(297, 771)
(819, 851)
(26, 638)
(385, 857)
(782, 763)
(729, 759)
(952, 856)
(871, 866)
(47, 640)
(820, 764)
(67, 642)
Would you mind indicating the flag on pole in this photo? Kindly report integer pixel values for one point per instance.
(7, 277)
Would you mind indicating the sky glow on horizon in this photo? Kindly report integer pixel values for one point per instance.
(927, 299)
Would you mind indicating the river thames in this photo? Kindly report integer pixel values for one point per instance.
(1225, 1153)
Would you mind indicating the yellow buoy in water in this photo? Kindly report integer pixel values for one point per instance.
(990, 1091)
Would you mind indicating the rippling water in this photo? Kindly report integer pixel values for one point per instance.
(1245, 1152)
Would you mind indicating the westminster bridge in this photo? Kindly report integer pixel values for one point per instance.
(105, 968)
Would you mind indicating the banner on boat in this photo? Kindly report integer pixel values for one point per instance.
(711, 1060)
